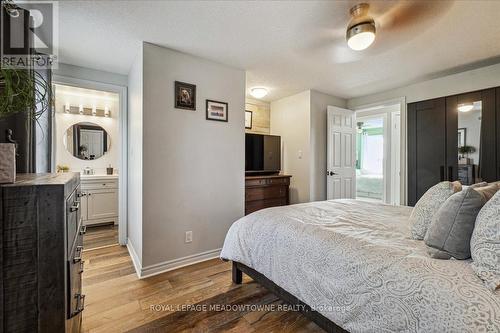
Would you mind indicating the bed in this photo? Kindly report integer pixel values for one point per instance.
(369, 186)
(356, 268)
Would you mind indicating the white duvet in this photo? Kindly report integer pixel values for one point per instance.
(355, 263)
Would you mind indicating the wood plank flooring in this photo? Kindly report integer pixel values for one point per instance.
(196, 298)
(99, 236)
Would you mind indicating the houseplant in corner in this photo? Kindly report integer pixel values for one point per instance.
(465, 151)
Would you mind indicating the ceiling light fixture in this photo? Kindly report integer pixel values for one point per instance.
(258, 92)
(465, 107)
(361, 29)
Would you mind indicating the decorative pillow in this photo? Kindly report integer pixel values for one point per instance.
(481, 184)
(423, 212)
(487, 192)
(485, 243)
(451, 229)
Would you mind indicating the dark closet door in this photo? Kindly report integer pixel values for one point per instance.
(488, 150)
(426, 146)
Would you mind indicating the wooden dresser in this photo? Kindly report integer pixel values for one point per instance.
(41, 242)
(266, 191)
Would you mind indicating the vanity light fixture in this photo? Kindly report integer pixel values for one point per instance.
(465, 107)
(94, 110)
(80, 109)
(258, 92)
(361, 29)
(106, 111)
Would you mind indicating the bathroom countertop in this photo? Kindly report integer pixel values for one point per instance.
(98, 177)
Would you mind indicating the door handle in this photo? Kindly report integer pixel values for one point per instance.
(332, 173)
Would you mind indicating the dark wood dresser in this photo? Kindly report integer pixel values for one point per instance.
(266, 191)
(41, 241)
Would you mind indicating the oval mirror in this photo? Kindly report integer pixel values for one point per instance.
(86, 141)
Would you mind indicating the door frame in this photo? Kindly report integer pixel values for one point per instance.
(122, 128)
(372, 108)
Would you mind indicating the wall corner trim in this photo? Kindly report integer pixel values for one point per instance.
(135, 258)
(171, 265)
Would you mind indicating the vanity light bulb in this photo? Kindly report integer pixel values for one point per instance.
(106, 111)
(94, 110)
(80, 109)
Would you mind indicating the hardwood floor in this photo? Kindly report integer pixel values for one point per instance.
(183, 300)
(99, 236)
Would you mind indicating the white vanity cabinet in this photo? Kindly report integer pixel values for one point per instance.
(99, 200)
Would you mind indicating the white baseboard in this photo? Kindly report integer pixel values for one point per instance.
(135, 258)
(170, 265)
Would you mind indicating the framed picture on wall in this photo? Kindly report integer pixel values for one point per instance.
(185, 96)
(216, 110)
(248, 119)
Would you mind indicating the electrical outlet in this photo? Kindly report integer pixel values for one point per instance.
(189, 237)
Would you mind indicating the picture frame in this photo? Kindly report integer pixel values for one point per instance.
(185, 96)
(248, 119)
(217, 111)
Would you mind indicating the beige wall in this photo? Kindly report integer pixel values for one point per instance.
(260, 116)
(476, 79)
(135, 160)
(290, 119)
(193, 168)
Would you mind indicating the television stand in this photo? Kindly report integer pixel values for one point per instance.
(264, 191)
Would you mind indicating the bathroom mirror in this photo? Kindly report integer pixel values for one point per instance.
(86, 141)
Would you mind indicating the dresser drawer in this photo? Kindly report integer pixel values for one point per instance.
(99, 184)
(268, 192)
(267, 181)
(73, 206)
(255, 182)
(253, 206)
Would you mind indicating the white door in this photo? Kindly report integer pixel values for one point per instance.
(341, 154)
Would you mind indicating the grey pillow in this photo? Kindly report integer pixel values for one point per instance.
(451, 229)
(485, 243)
(425, 209)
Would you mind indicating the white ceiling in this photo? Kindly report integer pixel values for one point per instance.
(288, 46)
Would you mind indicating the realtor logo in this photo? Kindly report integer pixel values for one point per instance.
(29, 34)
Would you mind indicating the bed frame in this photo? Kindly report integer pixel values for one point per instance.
(318, 318)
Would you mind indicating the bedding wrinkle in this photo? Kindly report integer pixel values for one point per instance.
(355, 263)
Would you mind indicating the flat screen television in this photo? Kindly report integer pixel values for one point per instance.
(262, 154)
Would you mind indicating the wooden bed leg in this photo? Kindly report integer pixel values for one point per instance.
(237, 274)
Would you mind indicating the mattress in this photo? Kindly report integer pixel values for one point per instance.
(355, 263)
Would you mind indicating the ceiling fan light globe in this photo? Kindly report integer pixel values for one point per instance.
(361, 36)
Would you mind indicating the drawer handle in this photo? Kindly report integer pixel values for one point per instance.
(83, 230)
(75, 206)
(82, 264)
(81, 194)
(80, 304)
(78, 257)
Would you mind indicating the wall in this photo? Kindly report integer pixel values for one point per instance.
(63, 121)
(260, 116)
(135, 160)
(319, 103)
(477, 79)
(193, 168)
(90, 74)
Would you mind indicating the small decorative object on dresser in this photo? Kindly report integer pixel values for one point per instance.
(266, 191)
(216, 110)
(7, 163)
(185, 96)
(41, 244)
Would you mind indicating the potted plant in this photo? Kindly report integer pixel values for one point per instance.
(464, 151)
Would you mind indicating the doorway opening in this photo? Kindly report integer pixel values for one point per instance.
(378, 154)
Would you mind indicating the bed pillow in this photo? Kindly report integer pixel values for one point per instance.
(485, 243)
(451, 229)
(487, 192)
(425, 209)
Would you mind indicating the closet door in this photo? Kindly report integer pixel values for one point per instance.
(426, 146)
(488, 161)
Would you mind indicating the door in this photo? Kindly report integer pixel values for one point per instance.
(102, 204)
(341, 153)
(426, 146)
